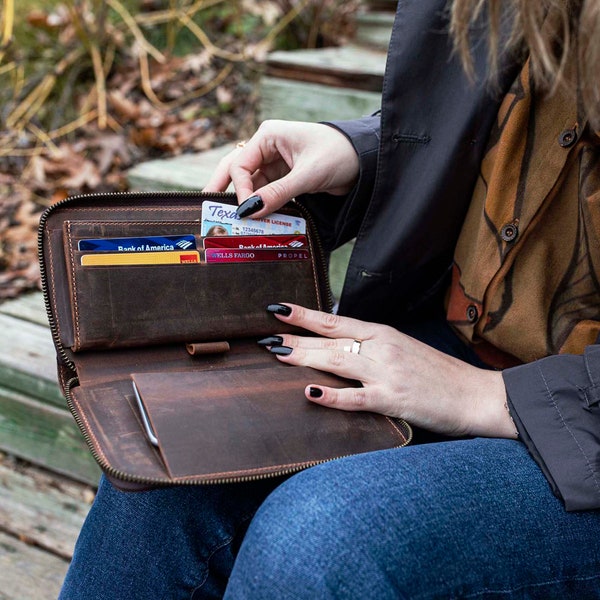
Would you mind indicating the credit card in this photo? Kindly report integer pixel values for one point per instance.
(230, 255)
(153, 243)
(219, 218)
(256, 241)
(140, 258)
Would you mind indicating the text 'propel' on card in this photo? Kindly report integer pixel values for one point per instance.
(219, 219)
(224, 255)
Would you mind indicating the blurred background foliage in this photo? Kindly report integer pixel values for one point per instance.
(57, 58)
(89, 88)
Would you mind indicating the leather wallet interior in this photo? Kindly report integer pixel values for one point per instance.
(229, 414)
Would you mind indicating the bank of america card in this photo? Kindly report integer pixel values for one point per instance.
(219, 219)
(231, 255)
(179, 257)
(154, 243)
(256, 241)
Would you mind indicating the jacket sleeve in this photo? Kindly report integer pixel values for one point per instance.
(555, 403)
(339, 217)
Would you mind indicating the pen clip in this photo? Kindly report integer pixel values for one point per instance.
(145, 419)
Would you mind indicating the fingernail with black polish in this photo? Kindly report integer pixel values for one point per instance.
(249, 207)
(315, 392)
(272, 340)
(281, 350)
(280, 309)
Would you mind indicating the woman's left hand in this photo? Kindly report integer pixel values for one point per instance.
(400, 376)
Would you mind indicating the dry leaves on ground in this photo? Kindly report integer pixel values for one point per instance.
(181, 118)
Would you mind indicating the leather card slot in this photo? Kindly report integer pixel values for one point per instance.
(128, 305)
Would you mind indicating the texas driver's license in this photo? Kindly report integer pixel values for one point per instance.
(220, 219)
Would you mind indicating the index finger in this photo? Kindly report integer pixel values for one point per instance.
(325, 324)
(220, 179)
(249, 162)
(218, 182)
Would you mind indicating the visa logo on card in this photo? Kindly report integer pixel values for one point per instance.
(219, 218)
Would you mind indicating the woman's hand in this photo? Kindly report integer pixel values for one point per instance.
(400, 376)
(284, 159)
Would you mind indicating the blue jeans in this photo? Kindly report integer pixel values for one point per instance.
(450, 519)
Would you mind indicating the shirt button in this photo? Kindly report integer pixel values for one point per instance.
(567, 138)
(509, 232)
(472, 313)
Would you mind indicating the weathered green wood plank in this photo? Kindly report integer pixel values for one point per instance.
(338, 265)
(28, 359)
(44, 435)
(185, 172)
(353, 67)
(28, 307)
(27, 572)
(43, 510)
(299, 101)
(374, 28)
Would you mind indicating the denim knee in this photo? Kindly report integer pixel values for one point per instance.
(452, 520)
(163, 543)
(310, 540)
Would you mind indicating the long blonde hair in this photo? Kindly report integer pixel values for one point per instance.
(549, 31)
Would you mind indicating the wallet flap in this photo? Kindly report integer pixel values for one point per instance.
(243, 422)
(225, 417)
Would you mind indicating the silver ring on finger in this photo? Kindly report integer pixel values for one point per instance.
(354, 348)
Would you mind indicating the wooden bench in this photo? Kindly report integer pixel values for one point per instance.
(46, 472)
(41, 514)
(34, 422)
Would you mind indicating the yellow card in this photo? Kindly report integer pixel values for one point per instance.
(140, 258)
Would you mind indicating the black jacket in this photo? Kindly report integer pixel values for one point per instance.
(419, 161)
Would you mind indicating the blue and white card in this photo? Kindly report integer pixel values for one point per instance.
(154, 243)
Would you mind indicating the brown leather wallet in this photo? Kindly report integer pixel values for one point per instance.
(218, 407)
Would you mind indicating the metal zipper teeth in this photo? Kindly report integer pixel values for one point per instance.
(121, 475)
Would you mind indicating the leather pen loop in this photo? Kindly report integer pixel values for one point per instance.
(201, 348)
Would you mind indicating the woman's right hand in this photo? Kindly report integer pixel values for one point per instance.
(284, 159)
